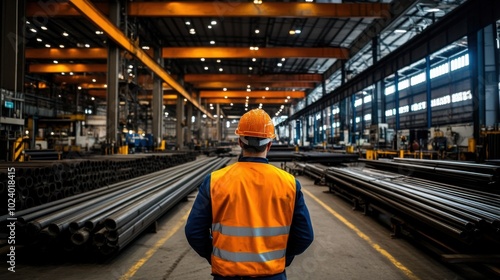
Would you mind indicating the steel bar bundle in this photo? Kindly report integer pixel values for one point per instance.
(462, 174)
(41, 182)
(471, 217)
(108, 218)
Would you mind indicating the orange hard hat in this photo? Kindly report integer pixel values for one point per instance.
(256, 123)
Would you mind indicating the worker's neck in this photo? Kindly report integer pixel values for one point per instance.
(249, 154)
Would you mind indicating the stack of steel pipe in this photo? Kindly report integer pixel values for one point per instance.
(107, 219)
(460, 173)
(469, 216)
(39, 182)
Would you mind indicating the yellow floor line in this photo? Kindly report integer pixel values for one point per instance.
(375, 246)
(155, 248)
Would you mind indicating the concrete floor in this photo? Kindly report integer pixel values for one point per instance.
(348, 245)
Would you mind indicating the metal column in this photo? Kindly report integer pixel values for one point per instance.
(12, 45)
(179, 132)
(112, 80)
(189, 123)
(396, 98)
(378, 102)
(157, 102)
(428, 91)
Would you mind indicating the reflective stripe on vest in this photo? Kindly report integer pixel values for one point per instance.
(248, 231)
(248, 257)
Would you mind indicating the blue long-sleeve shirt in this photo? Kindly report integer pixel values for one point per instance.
(199, 222)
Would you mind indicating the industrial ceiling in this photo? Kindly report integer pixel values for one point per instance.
(239, 54)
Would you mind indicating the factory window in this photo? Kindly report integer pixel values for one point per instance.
(358, 102)
(439, 70)
(358, 119)
(404, 109)
(461, 96)
(390, 90)
(418, 106)
(459, 62)
(417, 79)
(440, 101)
(368, 117)
(335, 111)
(390, 112)
(367, 99)
(403, 84)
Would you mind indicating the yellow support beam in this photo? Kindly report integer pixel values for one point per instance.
(96, 17)
(241, 52)
(220, 9)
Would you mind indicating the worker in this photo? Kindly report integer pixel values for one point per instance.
(249, 219)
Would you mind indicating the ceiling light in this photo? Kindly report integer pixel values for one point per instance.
(39, 39)
(291, 32)
(231, 104)
(224, 89)
(252, 48)
(288, 97)
(71, 73)
(248, 86)
(98, 32)
(246, 109)
(33, 30)
(286, 100)
(61, 46)
(249, 89)
(246, 105)
(65, 34)
(209, 27)
(280, 64)
(213, 22)
(47, 45)
(55, 61)
(267, 88)
(27, 22)
(191, 31)
(92, 98)
(188, 23)
(206, 68)
(43, 27)
(257, 2)
(62, 73)
(105, 85)
(202, 59)
(79, 87)
(283, 59)
(212, 42)
(94, 80)
(399, 31)
(87, 45)
(263, 97)
(309, 1)
(282, 106)
(131, 66)
(257, 31)
(220, 69)
(254, 59)
(297, 31)
(218, 60)
(250, 68)
(145, 47)
(248, 97)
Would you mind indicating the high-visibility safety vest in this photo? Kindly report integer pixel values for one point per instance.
(252, 210)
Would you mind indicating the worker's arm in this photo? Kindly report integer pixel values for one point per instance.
(301, 231)
(199, 222)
